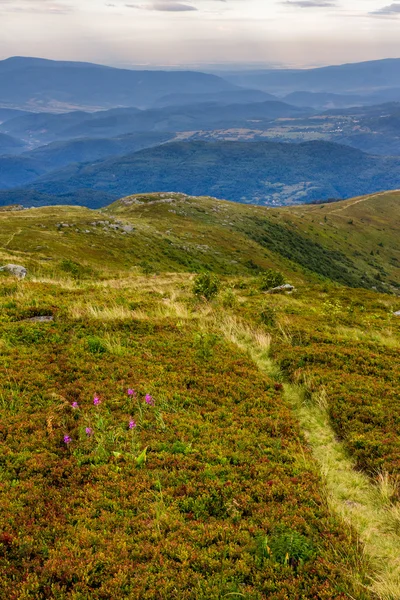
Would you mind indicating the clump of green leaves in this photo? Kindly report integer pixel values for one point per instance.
(228, 299)
(271, 279)
(75, 269)
(286, 547)
(268, 315)
(206, 286)
(96, 345)
(204, 344)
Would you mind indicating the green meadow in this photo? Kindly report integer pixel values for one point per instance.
(168, 434)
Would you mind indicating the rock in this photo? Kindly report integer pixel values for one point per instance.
(16, 270)
(397, 314)
(43, 319)
(281, 289)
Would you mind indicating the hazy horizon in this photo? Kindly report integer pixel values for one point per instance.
(201, 33)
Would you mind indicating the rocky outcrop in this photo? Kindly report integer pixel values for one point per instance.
(16, 270)
(281, 289)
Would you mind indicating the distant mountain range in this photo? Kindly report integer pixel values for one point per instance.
(41, 128)
(258, 172)
(34, 84)
(355, 78)
(41, 85)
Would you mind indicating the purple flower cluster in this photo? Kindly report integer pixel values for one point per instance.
(149, 400)
(96, 401)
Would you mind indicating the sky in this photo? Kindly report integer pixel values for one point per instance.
(223, 33)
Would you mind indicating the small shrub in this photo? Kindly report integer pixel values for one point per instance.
(75, 269)
(290, 548)
(204, 344)
(96, 345)
(229, 299)
(271, 279)
(268, 315)
(206, 285)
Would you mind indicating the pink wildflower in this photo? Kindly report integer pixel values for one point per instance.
(149, 400)
(67, 439)
(75, 405)
(131, 392)
(96, 401)
(89, 431)
(132, 424)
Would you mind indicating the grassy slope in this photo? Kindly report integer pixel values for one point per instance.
(173, 232)
(365, 229)
(228, 484)
(219, 429)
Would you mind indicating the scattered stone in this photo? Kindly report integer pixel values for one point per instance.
(42, 319)
(16, 270)
(281, 288)
(397, 314)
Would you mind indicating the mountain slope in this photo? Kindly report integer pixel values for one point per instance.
(354, 242)
(18, 170)
(231, 97)
(59, 154)
(10, 145)
(259, 172)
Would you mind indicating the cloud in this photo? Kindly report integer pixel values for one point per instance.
(391, 10)
(36, 6)
(310, 3)
(164, 7)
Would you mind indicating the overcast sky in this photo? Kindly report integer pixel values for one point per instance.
(196, 32)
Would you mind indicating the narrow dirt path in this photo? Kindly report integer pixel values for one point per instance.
(364, 199)
(349, 492)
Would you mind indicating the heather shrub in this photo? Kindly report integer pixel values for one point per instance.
(271, 279)
(206, 286)
(268, 315)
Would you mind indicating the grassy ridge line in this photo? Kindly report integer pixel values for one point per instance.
(172, 232)
(350, 493)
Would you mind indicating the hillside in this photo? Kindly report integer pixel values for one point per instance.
(10, 145)
(257, 172)
(242, 446)
(353, 242)
(60, 154)
(18, 170)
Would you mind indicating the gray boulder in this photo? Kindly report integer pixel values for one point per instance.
(281, 289)
(16, 270)
(397, 314)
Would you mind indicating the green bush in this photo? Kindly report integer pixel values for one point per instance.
(268, 315)
(95, 345)
(75, 269)
(271, 279)
(290, 548)
(206, 285)
(229, 299)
